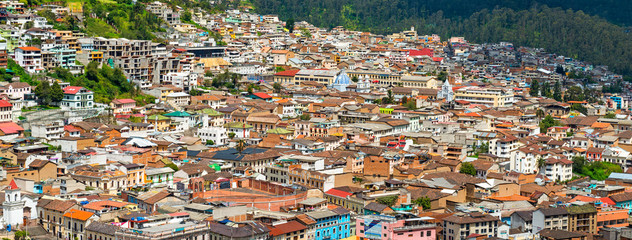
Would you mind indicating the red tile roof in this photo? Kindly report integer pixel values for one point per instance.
(72, 89)
(10, 128)
(607, 200)
(78, 214)
(338, 193)
(5, 103)
(262, 95)
(422, 52)
(123, 101)
(71, 128)
(289, 227)
(30, 49)
(288, 73)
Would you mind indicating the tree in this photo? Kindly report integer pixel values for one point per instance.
(186, 16)
(279, 69)
(468, 168)
(241, 145)
(534, 89)
(29, 25)
(423, 202)
(574, 93)
(354, 79)
(277, 87)
(21, 235)
(305, 117)
(210, 142)
(57, 94)
(541, 163)
(442, 76)
(610, 115)
(539, 113)
(404, 100)
(547, 122)
(43, 92)
(557, 91)
(578, 163)
(580, 108)
(546, 90)
(560, 70)
(387, 200)
(290, 25)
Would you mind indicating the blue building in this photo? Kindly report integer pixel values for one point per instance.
(331, 224)
(618, 101)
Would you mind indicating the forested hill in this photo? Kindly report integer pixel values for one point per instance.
(528, 23)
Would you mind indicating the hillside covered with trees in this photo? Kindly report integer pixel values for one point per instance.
(587, 30)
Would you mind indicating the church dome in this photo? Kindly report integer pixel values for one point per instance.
(342, 79)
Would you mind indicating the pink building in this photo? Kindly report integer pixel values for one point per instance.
(123, 106)
(387, 227)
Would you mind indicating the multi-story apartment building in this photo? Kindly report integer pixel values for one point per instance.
(30, 58)
(75, 223)
(325, 77)
(550, 218)
(77, 97)
(51, 214)
(51, 130)
(461, 225)
(387, 227)
(582, 218)
(558, 169)
(136, 68)
(114, 48)
(494, 97)
(331, 224)
(185, 80)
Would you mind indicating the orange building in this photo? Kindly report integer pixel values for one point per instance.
(612, 217)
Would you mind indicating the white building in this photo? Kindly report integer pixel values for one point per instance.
(49, 131)
(6, 111)
(77, 97)
(524, 160)
(184, 80)
(13, 206)
(558, 169)
(30, 58)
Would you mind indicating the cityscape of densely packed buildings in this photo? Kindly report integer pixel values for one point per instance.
(316, 134)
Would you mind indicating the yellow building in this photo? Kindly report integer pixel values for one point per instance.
(322, 76)
(160, 122)
(377, 78)
(494, 97)
(414, 81)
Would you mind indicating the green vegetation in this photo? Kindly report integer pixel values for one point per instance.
(98, 27)
(20, 72)
(483, 148)
(48, 94)
(559, 28)
(88, 188)
(305, 117)
(387, 200)
(21, 235)
(548, 122)
(106, 83)
(131, 20)
(595, 170)
(468, 168)
(610, 115)
(423, 202)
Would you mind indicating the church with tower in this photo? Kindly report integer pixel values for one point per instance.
(13, 206)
